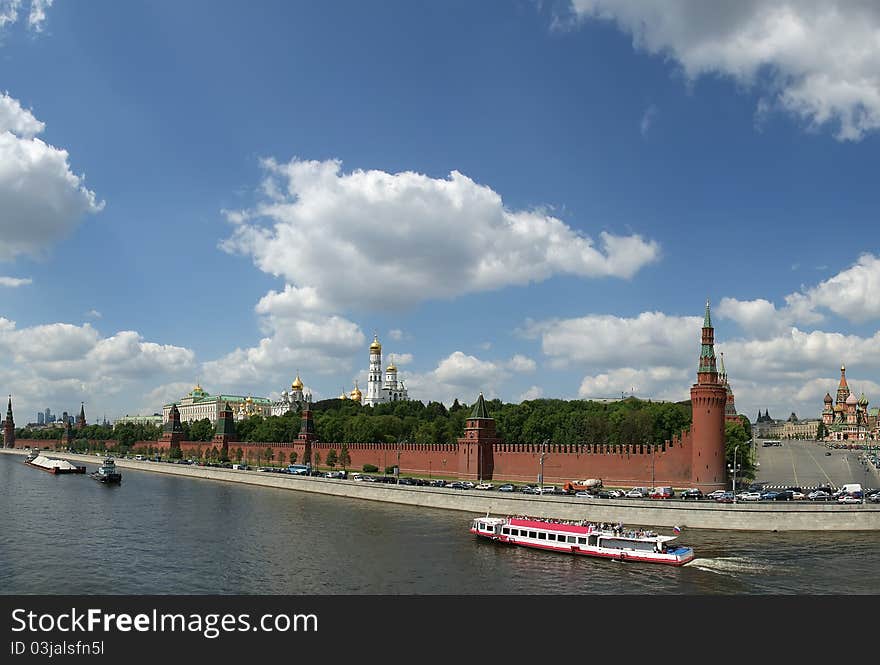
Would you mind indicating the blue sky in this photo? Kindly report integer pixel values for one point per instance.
(525, 199)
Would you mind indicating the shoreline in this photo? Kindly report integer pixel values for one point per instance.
(668, 513)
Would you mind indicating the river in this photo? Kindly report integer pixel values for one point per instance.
(161, 534)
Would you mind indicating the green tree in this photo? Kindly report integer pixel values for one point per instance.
(331, 458)
(317, 457)
(344, 457)
(736, 444)
(293, 457)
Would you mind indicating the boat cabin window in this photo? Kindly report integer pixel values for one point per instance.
(593, 540)
(542, 536)
(582, 541)
(505, 531)
(551, 536)
(572, 539)
(533, 534)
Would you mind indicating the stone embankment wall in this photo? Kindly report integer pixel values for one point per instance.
(708, 515)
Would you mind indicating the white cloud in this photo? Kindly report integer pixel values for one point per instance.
(648, 119)
(657, 383)
(94, 314)
(340, 235)
(41, 198)
(8, 12)
(816, 59)
(850, 293)
(13, 282)
(395, 334)
(534, 392)
(60, 364)
(37, 15)
(401, 358)
(605, 340)
(464, 376)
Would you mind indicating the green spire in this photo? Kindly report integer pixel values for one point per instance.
(707, 321)
(479, 410)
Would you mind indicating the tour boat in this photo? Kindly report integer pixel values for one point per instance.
(585, 538)
(52, 465)
(107, 472)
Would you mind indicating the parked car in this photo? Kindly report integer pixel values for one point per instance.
(716, 494)
(693, 493)
(819, 495)
(726, 497)
(485, 486)
(874, 498)
(583, 495)
(637, 493)
(507, 488)
(798, 496)
(769, 495)
(661, 493)
(749, 496)
(849, 498)
(528, 489)
(615, 494)
(784, 495)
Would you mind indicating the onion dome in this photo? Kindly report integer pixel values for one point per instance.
(828, 399)
(297, 383)
(355, 395)
(851, 399)
(343, 395)
(391, 366)
(375, 346)
(283, 394)
(863, 401)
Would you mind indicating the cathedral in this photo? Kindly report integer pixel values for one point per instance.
(379, 391)
(292, 400)
(847, 419)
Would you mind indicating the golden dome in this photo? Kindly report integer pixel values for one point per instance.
(375, 346)
(297, 383)
(355, 394)
(391, 367)
(343, 395)
(249, 399)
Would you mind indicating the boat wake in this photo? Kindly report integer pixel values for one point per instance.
(730, 566)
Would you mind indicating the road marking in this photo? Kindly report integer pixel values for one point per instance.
(830, 482)
(793, 469)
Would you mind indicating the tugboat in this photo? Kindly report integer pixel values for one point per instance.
(107, 472)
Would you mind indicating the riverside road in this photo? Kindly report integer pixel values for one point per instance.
(810, 464)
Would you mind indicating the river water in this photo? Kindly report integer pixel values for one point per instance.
(158, 534)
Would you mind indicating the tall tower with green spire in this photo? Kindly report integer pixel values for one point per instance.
(706, 372)
(708, 403)
(9, 427)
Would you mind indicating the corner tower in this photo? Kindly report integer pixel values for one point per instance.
(708, 402)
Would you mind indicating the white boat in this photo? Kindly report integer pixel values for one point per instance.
(51, 464)
(584, 538)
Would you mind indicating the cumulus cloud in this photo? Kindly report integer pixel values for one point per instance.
(41, 198)
(534, 392)
(463, 376)
(603, 339)
(13, 282)
(61, 364)
(657, 383)
(851, 294)
(815, 59)
(334, 236)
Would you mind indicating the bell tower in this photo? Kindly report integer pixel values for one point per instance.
(9, 427)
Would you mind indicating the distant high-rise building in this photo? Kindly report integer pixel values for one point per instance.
(49, 418)
(41, 418)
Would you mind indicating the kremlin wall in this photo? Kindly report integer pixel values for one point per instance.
(695, 458)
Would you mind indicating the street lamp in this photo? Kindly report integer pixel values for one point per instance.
(734, 468)
(652, 467)
(429, 469)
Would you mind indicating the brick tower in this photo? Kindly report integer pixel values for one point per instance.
(475, 448)
(82, 416)
(708, 402)
(307, 433)
(172, 433)
(224, 433)
(9, 427)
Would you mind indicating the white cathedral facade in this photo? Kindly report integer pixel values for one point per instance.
(379, 391)
(292, 400)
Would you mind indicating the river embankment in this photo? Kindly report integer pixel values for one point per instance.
(792, 516)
